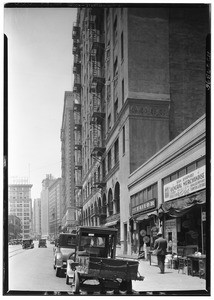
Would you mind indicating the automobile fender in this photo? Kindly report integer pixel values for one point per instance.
(59, 259)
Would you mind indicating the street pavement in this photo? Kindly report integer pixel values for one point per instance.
(171, 281)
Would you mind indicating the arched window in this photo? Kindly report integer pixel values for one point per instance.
(117, 197)
(95, 208)
(110, 202)
(89, 216)
(99, 206)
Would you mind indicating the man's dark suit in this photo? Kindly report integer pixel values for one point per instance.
(161, 245)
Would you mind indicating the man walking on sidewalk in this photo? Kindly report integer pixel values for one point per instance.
(161, 246)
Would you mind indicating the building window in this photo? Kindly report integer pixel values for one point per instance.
(104, 168)
(108, 90)
(98, 174)
(180, 173)
(116, 109)
(123, 92)
(109, 122)
(122, 47)
(109, 160)
(191, 168)
(124, 144)
(115, 68)
(200, 163)
(116, 151)
(115, 31)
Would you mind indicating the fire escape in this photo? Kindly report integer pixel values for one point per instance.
(77, 116)
(97, 108)
(97, 82)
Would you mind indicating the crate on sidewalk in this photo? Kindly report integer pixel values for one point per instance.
(153, 259)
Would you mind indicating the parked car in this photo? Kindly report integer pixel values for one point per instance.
(27, 244)
(42, 243)
(95, 260)
(65, 246)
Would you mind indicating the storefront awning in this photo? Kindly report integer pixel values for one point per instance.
(153, 213)
(178, 207)
(112, 223)
(141, 217)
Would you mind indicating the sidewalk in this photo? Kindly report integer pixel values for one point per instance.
(171, 280)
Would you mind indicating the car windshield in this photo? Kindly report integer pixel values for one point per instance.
(67, 240)
(92, 241)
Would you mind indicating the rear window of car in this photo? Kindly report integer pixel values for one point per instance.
(67, 240)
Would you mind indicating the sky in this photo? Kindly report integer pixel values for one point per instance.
(40, 65)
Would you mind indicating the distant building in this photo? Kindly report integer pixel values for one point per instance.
(20, 205)
(44, 204)
(14, 227)
(37, 218)
(55, 207)
(67, 163)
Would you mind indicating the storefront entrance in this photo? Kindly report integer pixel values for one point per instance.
(186, 231)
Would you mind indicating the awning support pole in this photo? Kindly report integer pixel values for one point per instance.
(202, 232)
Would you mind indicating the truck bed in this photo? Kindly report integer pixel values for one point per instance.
(109, 268)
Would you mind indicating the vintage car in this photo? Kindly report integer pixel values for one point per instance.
(65, 246)
(95, 261)
(27, 244)
(42, 243)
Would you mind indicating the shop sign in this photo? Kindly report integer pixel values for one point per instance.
(144, 206)
(185, 185)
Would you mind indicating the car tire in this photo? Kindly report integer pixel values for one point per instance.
(67, 279)
(76, 282)
(58, 272)
(126, 285)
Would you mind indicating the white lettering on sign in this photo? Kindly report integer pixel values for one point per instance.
(186, 184)
(144, 206)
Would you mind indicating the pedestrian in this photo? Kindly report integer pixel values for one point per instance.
(160, 246)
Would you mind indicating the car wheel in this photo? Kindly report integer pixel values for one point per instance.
(76, 283)
(58, 271)
(126, 285)
(102, 288)
(67, 279)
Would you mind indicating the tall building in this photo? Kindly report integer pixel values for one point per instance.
(14, 227)
(20, 204)
(44, 204)
(67, 164)
(55, 207)
(37, 218)
(139, 82)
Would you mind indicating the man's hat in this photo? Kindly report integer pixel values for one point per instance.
(159, 233)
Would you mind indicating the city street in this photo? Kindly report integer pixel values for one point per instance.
(32, 270)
